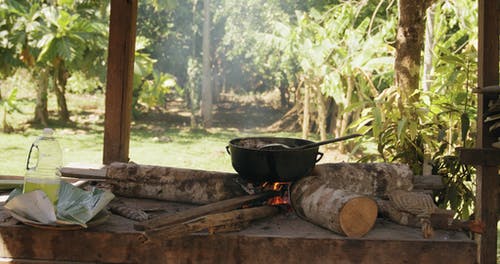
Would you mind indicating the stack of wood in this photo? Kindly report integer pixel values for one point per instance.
(223, 216)
(397, 193)
(343, 197)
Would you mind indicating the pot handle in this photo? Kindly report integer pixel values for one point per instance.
(319, 156)
(227, 150)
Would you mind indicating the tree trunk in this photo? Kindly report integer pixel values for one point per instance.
(409, 44)
(341, 211)
(206, 96)
(192, 72)
(306, 114)
(346, 115)
(320, 101)
(428, 48)
(41, 113)
(60, 80)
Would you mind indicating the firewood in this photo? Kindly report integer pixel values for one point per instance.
(439, 219)
(128, 212)
(372, 179)
(428, 182)
(189, 214)
(211, 222)
(172, 184)
(341, 211)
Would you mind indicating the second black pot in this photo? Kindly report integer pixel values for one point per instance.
(272, 165)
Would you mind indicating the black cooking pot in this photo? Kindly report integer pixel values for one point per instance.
(258, 165)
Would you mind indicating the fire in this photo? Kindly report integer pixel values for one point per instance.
(282, 189)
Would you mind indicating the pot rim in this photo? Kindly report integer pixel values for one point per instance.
(233, 143)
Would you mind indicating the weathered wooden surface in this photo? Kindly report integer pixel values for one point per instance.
(375, 179)
(172, 184)
(341, 211)
(284, 238)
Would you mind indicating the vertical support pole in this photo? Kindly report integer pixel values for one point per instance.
(487, 176)
(121, 49)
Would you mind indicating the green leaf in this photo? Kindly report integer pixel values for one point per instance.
(377, 122)
(401, 127)
(464, 125)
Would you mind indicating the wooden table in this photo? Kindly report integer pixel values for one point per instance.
(284, 238)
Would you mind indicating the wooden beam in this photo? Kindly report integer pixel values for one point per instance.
(487, 175)
(121, 48)
(479, 156)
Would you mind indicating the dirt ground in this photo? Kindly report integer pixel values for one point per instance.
(247, 114)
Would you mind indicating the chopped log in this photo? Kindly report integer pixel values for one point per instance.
(128, 212)
(172, 184)
(189, 214)
(428, 182)
(341, 211)
(372, 179)
(387, 209)
(439, 218)
(212, 222)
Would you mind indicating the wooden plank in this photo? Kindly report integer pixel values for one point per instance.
(121, 48)
(280, 239)
(428, 182)
(84, 173)
(476, 156)
(487, 175)
(217, 207)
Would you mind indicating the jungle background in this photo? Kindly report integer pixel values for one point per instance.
(207, 71)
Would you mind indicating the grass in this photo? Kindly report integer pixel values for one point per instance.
(156, 139)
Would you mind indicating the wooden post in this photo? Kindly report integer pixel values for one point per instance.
(121, 48)
(487, 175)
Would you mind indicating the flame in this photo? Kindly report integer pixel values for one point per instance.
(281, 187)
(277, 200)
(275, 186)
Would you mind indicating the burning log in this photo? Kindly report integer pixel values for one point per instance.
(341, 211)
(372, 179)
(172, 184)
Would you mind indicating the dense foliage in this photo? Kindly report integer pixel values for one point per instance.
(331, 61)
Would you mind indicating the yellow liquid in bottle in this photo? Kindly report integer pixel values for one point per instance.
(49, 186)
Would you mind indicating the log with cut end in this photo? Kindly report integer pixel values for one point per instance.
(172, 184)
(372, 179)
(341, 211)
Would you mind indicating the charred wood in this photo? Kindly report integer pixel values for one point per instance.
(189, 214)
(213, 222)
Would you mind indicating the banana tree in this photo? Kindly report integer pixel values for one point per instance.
(9, 105)
(21, 22)
(338, 61)
(64, 40)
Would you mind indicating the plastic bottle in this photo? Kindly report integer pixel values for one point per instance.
(42, 166)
